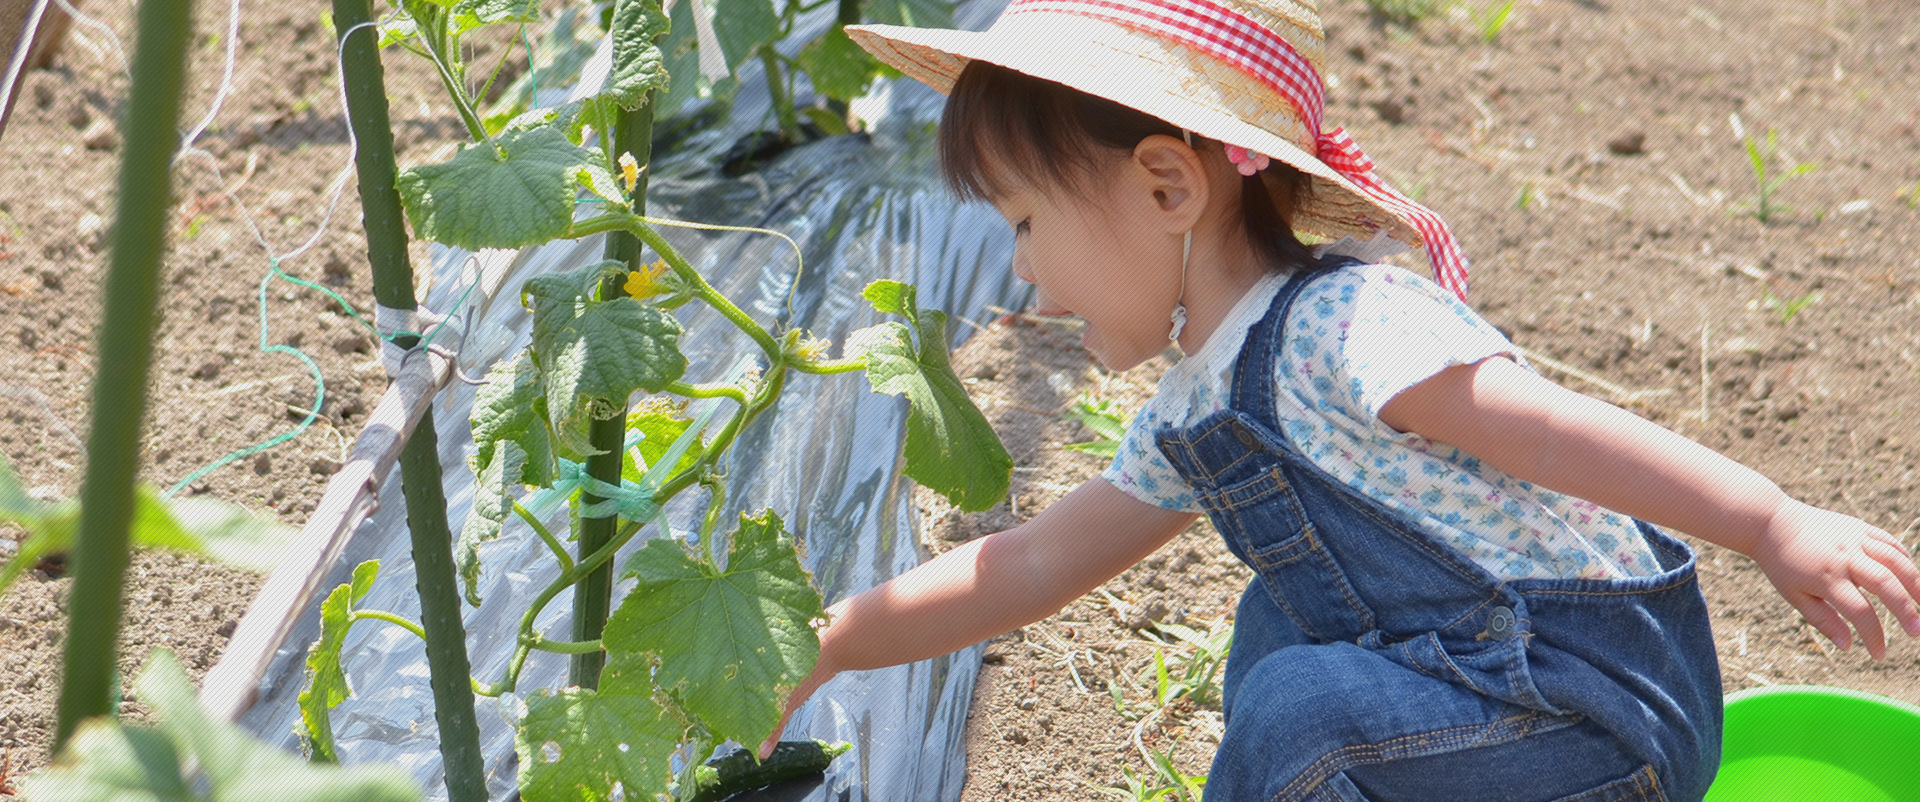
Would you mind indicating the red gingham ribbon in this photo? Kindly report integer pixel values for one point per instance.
(1266, 57)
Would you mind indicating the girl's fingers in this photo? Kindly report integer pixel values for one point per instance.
(1851, 603)
(1898, 586)
(1825, 619)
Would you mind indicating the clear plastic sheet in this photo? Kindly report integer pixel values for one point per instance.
(861, 208)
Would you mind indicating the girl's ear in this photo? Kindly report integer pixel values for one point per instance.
(1175, 178)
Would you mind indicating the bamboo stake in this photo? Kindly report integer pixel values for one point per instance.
(89, 685)
(593, 596)
(449, 670)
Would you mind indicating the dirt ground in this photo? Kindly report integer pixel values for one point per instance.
(1589, 159)
(1589, 162)
(279, 145)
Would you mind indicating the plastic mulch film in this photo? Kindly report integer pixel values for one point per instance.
(861, 207)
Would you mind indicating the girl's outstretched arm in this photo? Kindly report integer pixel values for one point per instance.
(991, 585)
(1538, 431)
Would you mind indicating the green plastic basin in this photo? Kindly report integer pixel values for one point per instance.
(1808, 742)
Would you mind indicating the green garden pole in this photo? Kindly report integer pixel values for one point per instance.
(449, 670)
(593, 596)
(126, 351)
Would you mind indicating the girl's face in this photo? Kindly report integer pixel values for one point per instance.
(1104, 261)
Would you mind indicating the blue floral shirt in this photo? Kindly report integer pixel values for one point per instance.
(1354, 340)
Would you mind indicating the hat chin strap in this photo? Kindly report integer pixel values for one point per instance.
(1180, 305)
(1186, 250)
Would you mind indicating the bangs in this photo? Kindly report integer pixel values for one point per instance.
(1002, 130)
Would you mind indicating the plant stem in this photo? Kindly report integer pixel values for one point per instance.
(377, 615)
(782, 102)
(421, 480)
(567, 646)
(593, 597)
(705, 291)
(553, 543)
(828, 367)
(126, 352)
(433, 31)
(709, 391)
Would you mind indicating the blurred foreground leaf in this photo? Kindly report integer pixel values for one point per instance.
(111, 762)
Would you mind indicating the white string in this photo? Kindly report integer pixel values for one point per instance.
(112, 37)
(226, 82)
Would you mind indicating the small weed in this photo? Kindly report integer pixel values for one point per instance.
(1525, 198)
(1195, 682)
(1764, 207)
(1786, 308)
(1101, 418)
(1404, 12)
(1419, 189)
(1493, 20)
(1167, 783)
(1913, 197)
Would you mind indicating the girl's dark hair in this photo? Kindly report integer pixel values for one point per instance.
(1000, 123)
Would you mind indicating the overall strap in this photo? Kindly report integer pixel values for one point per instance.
(1253, 389)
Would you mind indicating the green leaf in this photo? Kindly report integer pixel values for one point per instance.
(576, 744)
(911, 13)
(50, 534)
(239, 768)
(15, 505)
(890, 297)
(839, 68)
(225, 532)
(680, 57)
(512, 407)
(397, 28)
(743, 26)
(951, 448)
(116, 762)
(49, 527)
(594, 354)
(363, 576)
(638, 65)
(493, 494)
(1100, 418)
(521, 194)
(107, 762)
(661, 423)
(326, 680)
(471, 14)
(732, 643)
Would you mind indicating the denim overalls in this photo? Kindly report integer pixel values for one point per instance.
(1371, 662)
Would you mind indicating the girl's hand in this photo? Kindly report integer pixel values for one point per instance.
(822, 671)
(1822, 561)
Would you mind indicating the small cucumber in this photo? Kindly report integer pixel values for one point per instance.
(735, 772)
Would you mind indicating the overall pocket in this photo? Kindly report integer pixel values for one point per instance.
(1264, 521)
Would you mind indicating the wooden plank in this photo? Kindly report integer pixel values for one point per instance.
(19, 21)
(351, 497)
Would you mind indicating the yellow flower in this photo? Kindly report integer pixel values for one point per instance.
(646, 282)
(813, 347)
(630, 171)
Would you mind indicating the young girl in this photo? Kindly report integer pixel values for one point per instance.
(1455, 594)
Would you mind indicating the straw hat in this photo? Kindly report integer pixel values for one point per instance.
(1244, 72)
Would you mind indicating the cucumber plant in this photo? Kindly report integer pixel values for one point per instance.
(709, 643)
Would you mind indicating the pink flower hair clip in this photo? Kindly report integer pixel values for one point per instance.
(1246, 161)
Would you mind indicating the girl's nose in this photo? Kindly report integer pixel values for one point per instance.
(1021, 269)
